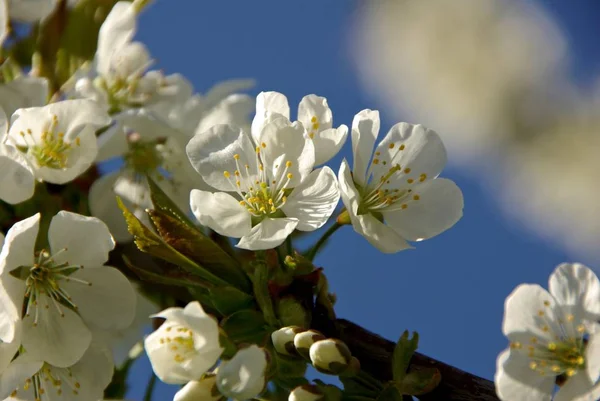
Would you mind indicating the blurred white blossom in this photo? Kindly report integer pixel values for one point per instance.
(243, 377)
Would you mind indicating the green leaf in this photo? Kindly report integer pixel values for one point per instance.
(260, 284)
(173, 277)
(356, 387)
(420, 382)
(228, 300)
(147, 241)
(292, 313)
(286, 367)
(245, 326)
(198, 247)
(162, 202)
(403, 352)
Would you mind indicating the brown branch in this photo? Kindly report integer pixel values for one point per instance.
(375, 355)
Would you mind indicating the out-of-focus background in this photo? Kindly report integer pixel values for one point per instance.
(512, 87)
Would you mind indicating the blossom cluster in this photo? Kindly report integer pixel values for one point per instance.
(256, 180)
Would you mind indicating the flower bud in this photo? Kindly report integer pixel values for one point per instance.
(303, 341)
(204, 389)
(307, 392)
(243, 377)
(330, 356)
(283, 339)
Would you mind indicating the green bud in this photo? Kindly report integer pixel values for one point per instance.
(292, 313)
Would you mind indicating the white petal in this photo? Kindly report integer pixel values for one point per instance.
(103, 205)
(12, 292)
(221, 212)
(17, 183)
(378, 234)
(4, 20)
(577, 388)
(86, 240)
(438, 208)
(211, 153)
(24, 91)
(108, 303)
(9, 349)
(233, 110)
(413, 147)
(515, 381)
(59, 339)
(116, 31)
(93, 372)
(15, 375)
(221, 90)
(521, 312)
(592, 357)
(328, 143)
(282, 142)
(198, 391)
(314, 113)
(313, 202)
(576, 285)
(112, 143)
(268, 104)
(243, 377)
(268, 234)
(19, 244)
(365, 128)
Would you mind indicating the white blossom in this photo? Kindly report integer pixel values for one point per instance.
(243, 377)
(120, 80)
(185, 346)
(394, 195)
(275, 187)
(283, 339)
(22, 92)
(149, 147)
(58, 140)
(200, 390)
(330, 356)
(27, 379)
(314, 114)
(64, 291)
(553, 338)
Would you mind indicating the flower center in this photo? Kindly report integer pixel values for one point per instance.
(144, 157)
(50, 378)
(44, 278)
(180, 342)
(51, 150)
(261, 195)
(564, 356)
(389, 188)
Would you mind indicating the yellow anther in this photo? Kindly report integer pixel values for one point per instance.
(270, 201)
(238, 183)
(311, 135)
(226, 174)
(552, 346)
(288, 164)
(236, 172)
(236, 156)
(78, 141)
(377, 153)
(22, 133)
(314, 119)
(533, 365)
(402, 147)
(243, 203)
(416, 197)
(260, 167)
(533, 340)
(570, 318)
(556, 368)
(541, 313)
(404, 206)
(581, 328)
(580, 360)
(546, 303)
(422, 177)
(284, 199)
(263, 185)
(410, 180)
(290, 176)
(406, 170)
(545, 329)
(570, 372)
(375, 161)
(515, 345)
(315, 126)
(273, 209)
(391, 146)
(264, 145)
(257, 149)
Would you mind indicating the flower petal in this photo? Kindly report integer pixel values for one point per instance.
(313, 201)
(8, 349)
(328, 143)
(233, 110)
(86, 240)
(108, 303)
(15, 375)
(112, 143)
(592, 357)
(17, 182)
(24, 91)
(103, 205)
(19, 244)
(268, 104)
(521, 312)
(212, 153)
(515, 381)
(576, 285)
(432, 208)
(93, 371)
(314, 113)
(577, 388)
(365, 128)
(268, 234)
(221, 212)
(243, 377)
(59, 338)
(198, 390)
(117, 30)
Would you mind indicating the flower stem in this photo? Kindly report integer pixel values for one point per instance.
(312, 252)
(150, 388)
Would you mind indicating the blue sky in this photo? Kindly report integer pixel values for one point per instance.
(450, 289)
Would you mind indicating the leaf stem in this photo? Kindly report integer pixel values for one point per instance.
(312, 252)
(150, 388)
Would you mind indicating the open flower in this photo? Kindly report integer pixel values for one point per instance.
(28, 379)
(149, 148)
(64, 291)
(58, 140)
(554, 338)
(243, 377)
(121, 80)
(314, 114)
(185, 346)
(394, 195)
(275, 189)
